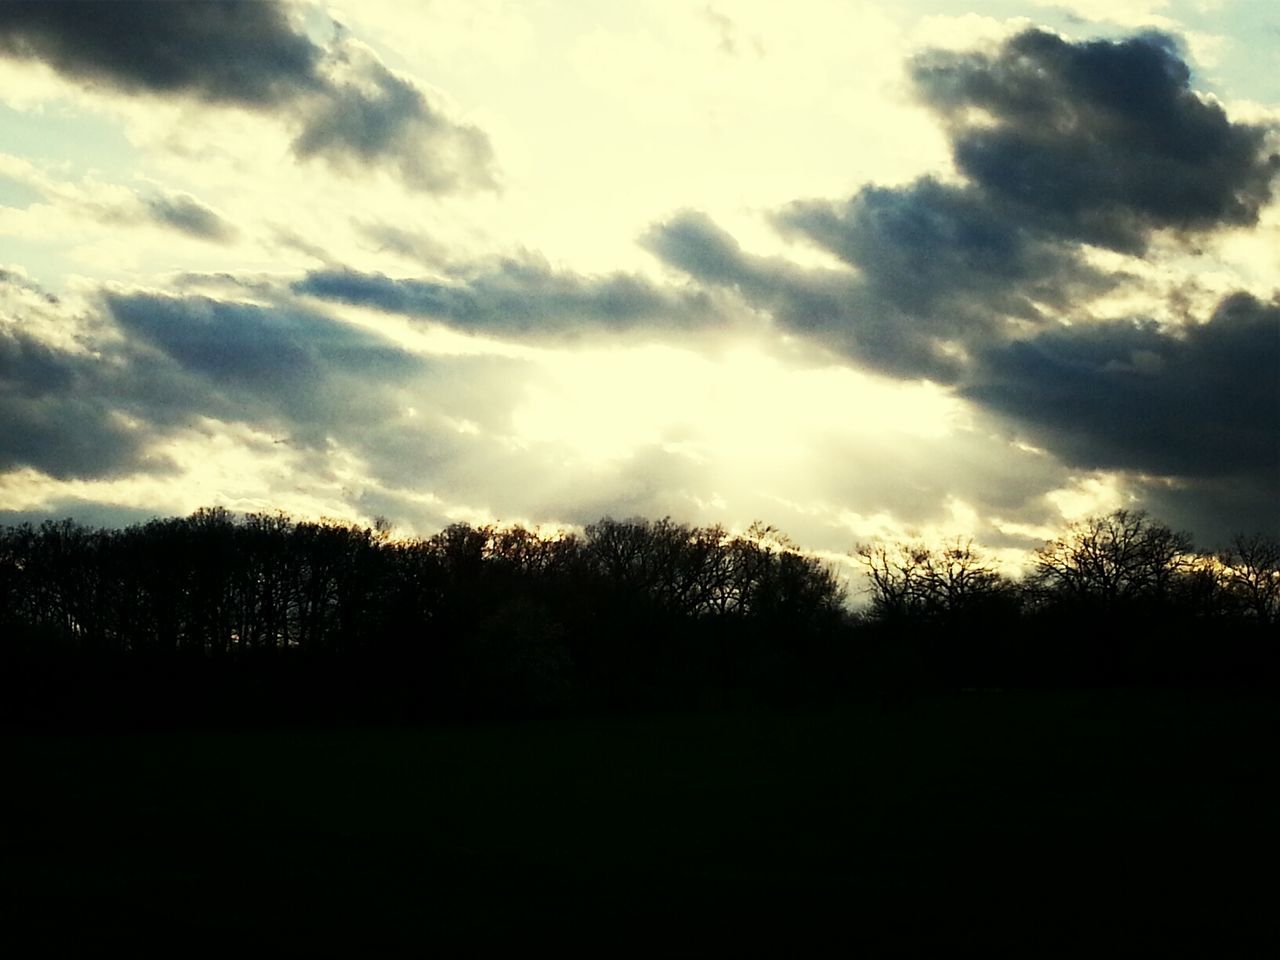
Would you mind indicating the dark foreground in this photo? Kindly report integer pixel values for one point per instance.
(1067, 824)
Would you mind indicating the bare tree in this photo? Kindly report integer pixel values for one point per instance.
(916, 580)
(1251, 575)
(896, 575)
(1113, 559)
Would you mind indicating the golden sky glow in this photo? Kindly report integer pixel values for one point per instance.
(520, 346)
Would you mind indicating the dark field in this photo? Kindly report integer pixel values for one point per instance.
(1049, 824)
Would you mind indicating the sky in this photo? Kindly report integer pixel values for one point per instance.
(860, 270)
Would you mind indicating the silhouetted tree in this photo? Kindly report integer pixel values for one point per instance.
(916, 581)
(1110, 594)
(1250, 571)
(945, 613)
(1111, 560)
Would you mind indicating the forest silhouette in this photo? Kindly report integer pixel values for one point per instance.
(262, 617)
(641, 738)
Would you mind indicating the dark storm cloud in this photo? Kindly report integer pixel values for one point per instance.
(1198, 402)
(49, 398)
(281, 355)
(1102, 141)
(314, 382)
(307, 379)
(1216, 508)
(347, 107)
(72, 413)
(946, 258)
(692, 242)
(387, 119)
(48, 422)
(228, 51)
(188, 215)
(518, 297)
(1061, 145)
(939, 271)
(833, 307)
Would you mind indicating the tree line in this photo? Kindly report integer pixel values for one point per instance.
(266, 614)
(472, 619)
(1119, 598)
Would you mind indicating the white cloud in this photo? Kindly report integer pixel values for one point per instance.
(1092, 494)
(964, 31)
(1126, 13)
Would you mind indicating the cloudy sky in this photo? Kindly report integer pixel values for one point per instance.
(856, 269)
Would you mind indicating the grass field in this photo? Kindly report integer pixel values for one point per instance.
(1053, 824)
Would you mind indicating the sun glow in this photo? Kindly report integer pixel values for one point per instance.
(739, 407)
